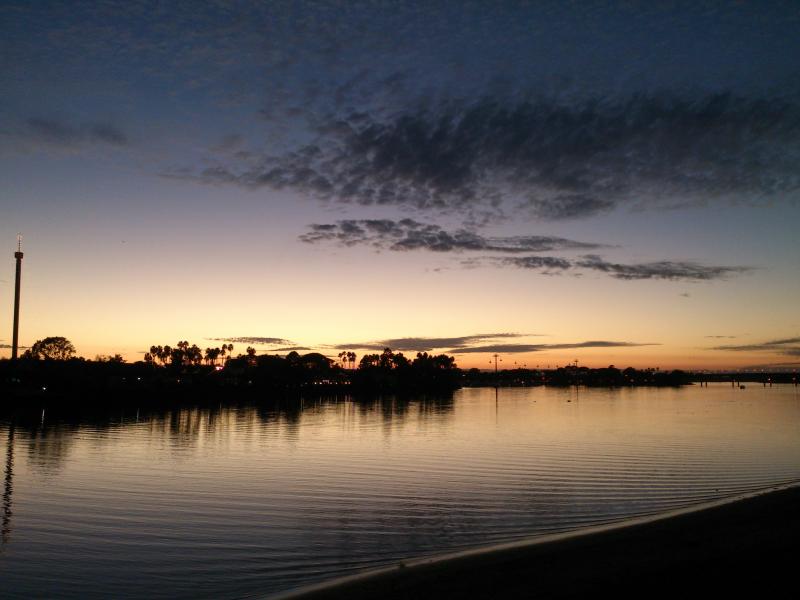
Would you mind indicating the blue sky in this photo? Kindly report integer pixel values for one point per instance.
(609, 172)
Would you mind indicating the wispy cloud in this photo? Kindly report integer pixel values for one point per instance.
(544, 264)
(663, 269)
(426, 344)
(477, 343)
(785, 346)
(555, 158)
(256, 340)
(521, 348)
(779, 366)
(408, 234)
(61, 133)
(292, 349)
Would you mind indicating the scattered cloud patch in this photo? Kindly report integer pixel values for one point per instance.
(471, 344)
(543, 264)
(785, 346)
(261, 341)
(427, 344)
(59, 133)
(780, 366)
(292, 349)
(664, 269)
(557, 158)
(520, 348)
(408, 234)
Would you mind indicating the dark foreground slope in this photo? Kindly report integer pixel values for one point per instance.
(749, 548)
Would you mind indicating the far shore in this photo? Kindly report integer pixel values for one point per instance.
(741, 547)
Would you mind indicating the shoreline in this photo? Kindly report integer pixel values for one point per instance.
(619, 557)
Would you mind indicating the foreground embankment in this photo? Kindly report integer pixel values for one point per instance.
(749, 547)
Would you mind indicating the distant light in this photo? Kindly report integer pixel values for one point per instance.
(44, 388)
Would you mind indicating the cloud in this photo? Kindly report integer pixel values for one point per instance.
(104, 132)
(722, 337)
(263, 341)
(408, 234)
(426, 344)
(663, 269)
(557, 158)
(785, 346)
(570, 206)
(470, 344)
(781, 366)
(291, 349)
(60, 133)
(544, 264)
(519, 348)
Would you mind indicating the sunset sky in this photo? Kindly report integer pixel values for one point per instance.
(617, 183)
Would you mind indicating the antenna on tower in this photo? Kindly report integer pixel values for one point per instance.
(17, 280)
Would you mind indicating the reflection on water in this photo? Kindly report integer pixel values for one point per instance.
(229, 501)
(8, 485)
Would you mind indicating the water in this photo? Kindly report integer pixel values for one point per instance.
(247, 501)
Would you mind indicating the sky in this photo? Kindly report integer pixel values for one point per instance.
(608, 182)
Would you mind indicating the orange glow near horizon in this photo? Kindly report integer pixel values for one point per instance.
(108, 298)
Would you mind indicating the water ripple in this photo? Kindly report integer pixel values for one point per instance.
(247, 500)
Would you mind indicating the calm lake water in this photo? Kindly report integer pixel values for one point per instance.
(232, 502)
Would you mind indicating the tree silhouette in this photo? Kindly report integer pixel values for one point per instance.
(212, 354)
(51, 348)
(369, 360)
(226, 348)
(115, 358)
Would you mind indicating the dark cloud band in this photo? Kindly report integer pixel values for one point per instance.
(555, 158)
(407, 234)
(785, 346)
(264, 341)
(426, 344)
(663, 269)
(520, 348)
(60, 133)
(471, 344)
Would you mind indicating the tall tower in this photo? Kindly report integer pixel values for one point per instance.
(15, 339)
